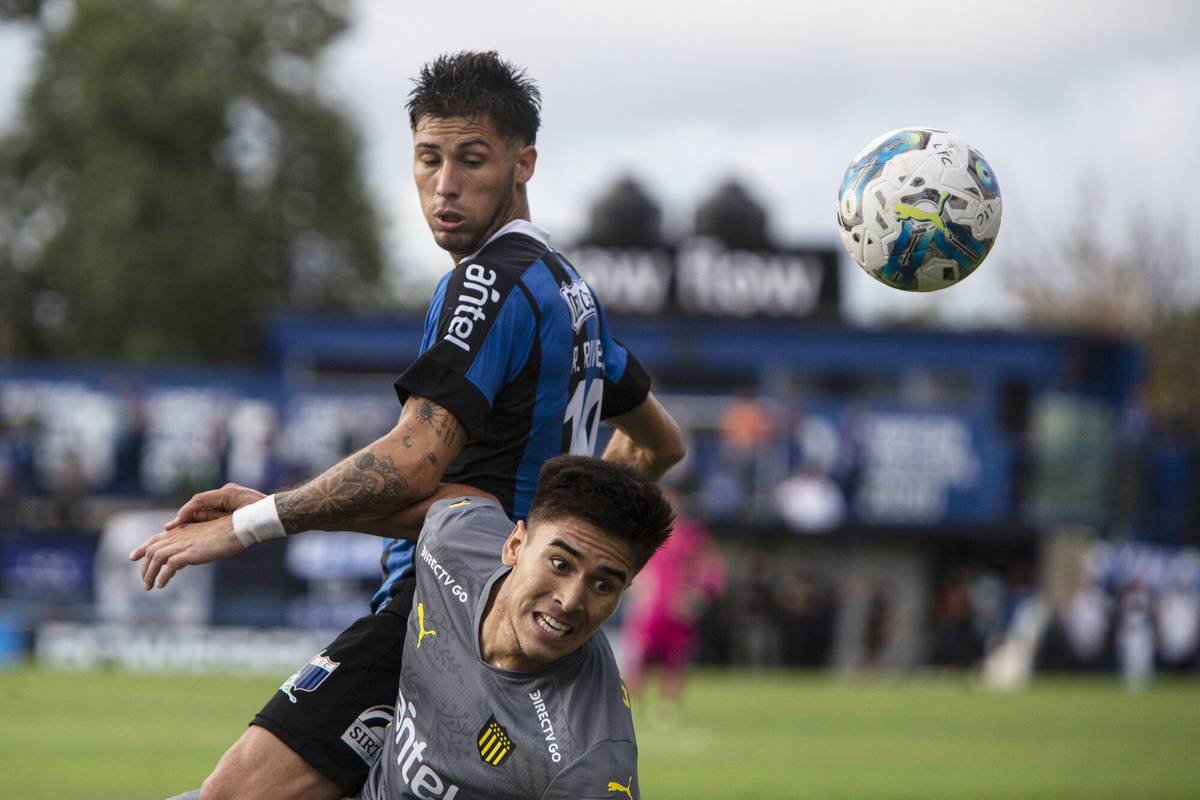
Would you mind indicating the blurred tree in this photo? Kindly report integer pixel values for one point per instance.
(20, 9)
(175, 178)
(1174, 387)
(1146, 288)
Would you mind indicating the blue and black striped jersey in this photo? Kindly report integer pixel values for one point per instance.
(517, 347)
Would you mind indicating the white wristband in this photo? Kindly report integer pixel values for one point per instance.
(258, 522)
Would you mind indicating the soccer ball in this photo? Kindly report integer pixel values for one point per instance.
(919, 209)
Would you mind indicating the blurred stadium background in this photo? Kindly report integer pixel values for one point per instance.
(959, 561)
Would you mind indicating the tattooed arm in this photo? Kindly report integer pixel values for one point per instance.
(408, 521)
(400, 468)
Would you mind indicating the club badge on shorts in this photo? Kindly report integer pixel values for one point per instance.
(310, 678)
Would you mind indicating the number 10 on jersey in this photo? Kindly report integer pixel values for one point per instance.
(582, 421)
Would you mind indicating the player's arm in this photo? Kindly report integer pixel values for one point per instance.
(398, 469)
(358, 493)
(407, 522)
(646, 438)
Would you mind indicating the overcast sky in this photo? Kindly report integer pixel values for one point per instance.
(782, 95)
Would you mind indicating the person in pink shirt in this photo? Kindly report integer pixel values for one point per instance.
(670, 594)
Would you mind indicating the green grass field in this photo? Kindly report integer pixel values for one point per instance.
(742, 735)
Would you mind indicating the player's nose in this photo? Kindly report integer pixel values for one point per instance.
(571, 596)
(447, 184)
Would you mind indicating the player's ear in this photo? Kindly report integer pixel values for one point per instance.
(513, 544)
(526, 162)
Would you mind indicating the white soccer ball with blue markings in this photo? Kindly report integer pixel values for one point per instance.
(919, 209)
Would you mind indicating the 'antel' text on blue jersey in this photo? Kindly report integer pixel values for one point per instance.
(465, 730)
(517, 347)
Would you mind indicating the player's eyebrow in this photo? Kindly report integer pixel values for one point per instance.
(617, 573)
(479, 142)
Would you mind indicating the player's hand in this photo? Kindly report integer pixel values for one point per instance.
(168, 552)
(213, 504)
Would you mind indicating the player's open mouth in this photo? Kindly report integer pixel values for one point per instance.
(449, 220)
(555, 628)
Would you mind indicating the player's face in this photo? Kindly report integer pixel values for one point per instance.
(471, 180)
(567, 579)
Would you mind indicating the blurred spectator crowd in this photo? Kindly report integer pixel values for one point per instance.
(819, 466)
(785, 487)
(1135, 608)
(64, 445)
(810, 465)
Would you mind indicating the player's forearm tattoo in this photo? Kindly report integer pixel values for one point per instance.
(362, 487)
(447, 428)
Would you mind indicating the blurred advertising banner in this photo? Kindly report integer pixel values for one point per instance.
(151, 437)
(142, 648)
(1151, 567)
(120, 595)
(925, 468)
(333, 577)
(263, 612)
(37, 566)
(1127, 605)
(893, 467)
(703, 277)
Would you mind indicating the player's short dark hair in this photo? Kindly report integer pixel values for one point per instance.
(612, 497)
(475, 84)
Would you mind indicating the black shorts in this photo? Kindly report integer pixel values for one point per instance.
(333, 712)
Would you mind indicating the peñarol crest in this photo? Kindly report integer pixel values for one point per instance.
(494, 743)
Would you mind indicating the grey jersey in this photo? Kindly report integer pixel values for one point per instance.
(463, 729)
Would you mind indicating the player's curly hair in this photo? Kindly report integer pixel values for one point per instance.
(471, 84)
(612, 497)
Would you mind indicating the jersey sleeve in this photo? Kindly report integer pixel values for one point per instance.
(479, 332)
(605, 772)
(626, 382)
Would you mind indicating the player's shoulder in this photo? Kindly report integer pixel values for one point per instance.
(600, 709)
(518, 246)
(465, 523)
(482, 286)
(467, 510)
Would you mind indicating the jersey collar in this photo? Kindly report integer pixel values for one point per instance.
(521, 226)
